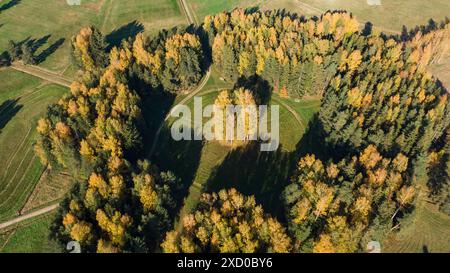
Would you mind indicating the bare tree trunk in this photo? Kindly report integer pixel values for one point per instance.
(395, 213)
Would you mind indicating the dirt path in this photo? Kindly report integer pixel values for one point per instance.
(108, 10)
(292, 111)
(187, 12)
(42, 73)
(183, 101)
(28, 216)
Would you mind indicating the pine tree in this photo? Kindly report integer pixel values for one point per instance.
(27, 55)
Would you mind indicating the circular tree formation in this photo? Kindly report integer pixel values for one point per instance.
(381, 113)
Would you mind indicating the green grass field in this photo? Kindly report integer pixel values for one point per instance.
(154, 15)
(50, 24)
(23, 100)
(211, 166)
(29, 237)
(389, 17)
(430, 232)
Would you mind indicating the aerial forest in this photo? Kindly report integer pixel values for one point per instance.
(384, 122)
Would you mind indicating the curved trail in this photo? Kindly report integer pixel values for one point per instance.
(292, 111)
(187, 12)
(183, 101)
(28, 216)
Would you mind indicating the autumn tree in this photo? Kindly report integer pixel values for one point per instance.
(228, 222)
(244, 119)
(331, 207)
(89, 49)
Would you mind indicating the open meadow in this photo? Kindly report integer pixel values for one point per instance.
(48, 25)
(23, 101)
(31, 236)
(389, 17)
(212, 166)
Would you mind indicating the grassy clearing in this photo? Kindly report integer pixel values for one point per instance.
(154, 15)
(49, 25)
(29, 237)
(21, 107)
(13, 84)
(211, 166)
(430, 232)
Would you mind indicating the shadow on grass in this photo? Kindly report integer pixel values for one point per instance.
(260, 87)
(36, 44)
(252, 172)
(9, 5)
(155, 108)
(49, 51)
(8, 109)
(124, 32)
(313, 141)
(180, 157)
(5, 59)
(266, 174)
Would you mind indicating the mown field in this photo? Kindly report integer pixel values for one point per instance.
(23, 100)
(390, 16)
(30, 236)
(430, 232)
(48, 25)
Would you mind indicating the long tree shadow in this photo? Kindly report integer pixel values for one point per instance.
(9, 5)
(49, 50)
(5, 59)
(180, 157)
(255, 172)
(8, 109)
(124, 32)
(313, 142)
(258, 86)
(35, 44)
(155, 108)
